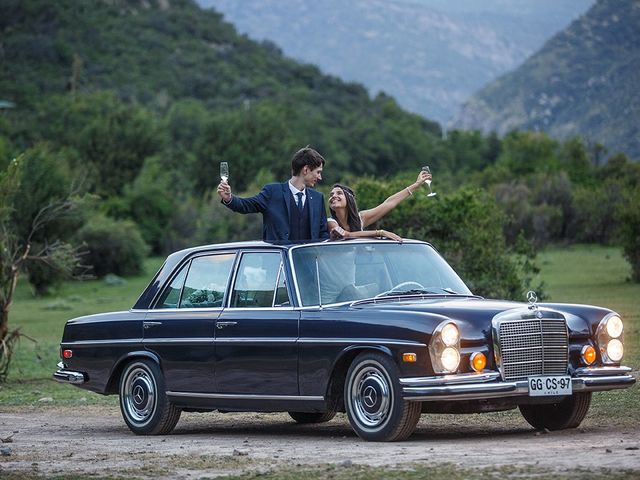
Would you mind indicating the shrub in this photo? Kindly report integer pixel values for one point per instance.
(467, 228)
(115, 246)
(629, 232)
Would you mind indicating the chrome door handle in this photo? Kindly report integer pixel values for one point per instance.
(150, 324)
(221, 325)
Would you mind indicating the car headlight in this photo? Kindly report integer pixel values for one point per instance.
(609, 338)
(444, 348)
(614, 326)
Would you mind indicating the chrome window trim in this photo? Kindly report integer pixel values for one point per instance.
(235, 396)
(179, 267)
(232, 285)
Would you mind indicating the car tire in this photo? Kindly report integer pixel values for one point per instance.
(373, 400)
(143, 401)
(568, 413)
(316, 417)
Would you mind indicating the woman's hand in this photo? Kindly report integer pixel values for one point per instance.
(338, 233)
(423, 177)
(391, 236)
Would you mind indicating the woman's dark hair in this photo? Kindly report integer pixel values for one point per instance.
(353, 217)
(306, 156)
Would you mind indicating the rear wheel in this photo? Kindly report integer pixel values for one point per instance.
(317, 417)
(374, 403)
(143, 401)
(567, 413)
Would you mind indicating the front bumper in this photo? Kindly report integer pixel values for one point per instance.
(69, 376)
(477, 386)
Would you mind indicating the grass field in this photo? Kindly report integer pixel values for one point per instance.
(579, 274)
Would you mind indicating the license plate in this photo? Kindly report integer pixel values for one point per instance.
(549, 386)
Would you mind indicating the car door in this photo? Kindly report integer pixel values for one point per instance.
(256, 335)
(180, 329)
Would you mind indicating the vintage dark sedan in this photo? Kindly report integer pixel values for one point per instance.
(383, 331)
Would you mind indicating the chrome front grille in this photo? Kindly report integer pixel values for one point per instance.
(532, 346)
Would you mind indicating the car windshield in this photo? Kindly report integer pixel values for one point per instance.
(355, 271)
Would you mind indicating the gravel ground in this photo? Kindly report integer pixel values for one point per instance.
(90, 440)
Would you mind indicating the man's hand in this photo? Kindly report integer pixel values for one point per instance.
(224, 191)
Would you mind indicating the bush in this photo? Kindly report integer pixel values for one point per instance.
(629, 232)
(115, 246)
(466, 227)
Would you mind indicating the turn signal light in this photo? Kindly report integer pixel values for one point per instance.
(409, 357)
(588, 354)
(478, 361)
(67, 353)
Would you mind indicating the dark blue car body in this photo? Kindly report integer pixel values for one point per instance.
(258, 335)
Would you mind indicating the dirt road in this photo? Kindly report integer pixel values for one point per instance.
(95, 441)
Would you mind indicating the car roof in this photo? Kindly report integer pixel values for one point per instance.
(178, 257)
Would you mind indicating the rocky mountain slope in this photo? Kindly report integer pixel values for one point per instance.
(583, 82)
(431, 55)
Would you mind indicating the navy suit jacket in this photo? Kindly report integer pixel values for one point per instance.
(274, 202)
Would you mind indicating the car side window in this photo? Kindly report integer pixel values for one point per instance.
(170, 298)
(207, 281)
(255, 284)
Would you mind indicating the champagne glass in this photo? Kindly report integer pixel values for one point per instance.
(224, 171)
(428, 182)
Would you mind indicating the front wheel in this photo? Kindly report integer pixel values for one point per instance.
(374, 403)
(567, 413)
(143, 401)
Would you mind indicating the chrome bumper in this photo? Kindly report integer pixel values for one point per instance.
(68, 376)
(476, 386)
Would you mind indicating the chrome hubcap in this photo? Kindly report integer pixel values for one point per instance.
(371, 397)
(139, 395)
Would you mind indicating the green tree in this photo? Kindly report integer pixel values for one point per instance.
(17, 247)
(116, 145)
(629, 231)
(466, 227)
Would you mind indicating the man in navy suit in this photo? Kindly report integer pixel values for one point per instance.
(291, 211)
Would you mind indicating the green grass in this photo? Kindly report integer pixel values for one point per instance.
(42, 321)
(596, 275)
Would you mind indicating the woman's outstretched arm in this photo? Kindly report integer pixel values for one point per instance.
(372, 215)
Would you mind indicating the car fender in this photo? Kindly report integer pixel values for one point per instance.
(118, 366)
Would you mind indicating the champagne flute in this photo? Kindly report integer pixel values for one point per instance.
(224, 171)
(428, 182)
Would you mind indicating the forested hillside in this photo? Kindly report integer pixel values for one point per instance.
(158, 54)
(583, 82)
(429, 55)
(114, 115)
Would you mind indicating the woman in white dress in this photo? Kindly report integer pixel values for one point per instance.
(347, 222)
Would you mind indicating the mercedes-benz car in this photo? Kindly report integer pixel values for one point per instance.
(381, 330)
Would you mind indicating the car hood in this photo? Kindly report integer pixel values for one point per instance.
(475, 314)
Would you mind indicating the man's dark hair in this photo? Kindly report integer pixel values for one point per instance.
(306, 156)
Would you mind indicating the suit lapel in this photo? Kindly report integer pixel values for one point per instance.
(310, 196)
(286, 194)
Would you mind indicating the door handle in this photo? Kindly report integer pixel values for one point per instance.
(221, 325)
(147, 325)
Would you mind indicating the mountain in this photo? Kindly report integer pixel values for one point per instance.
(430, 55)
(583, 82)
